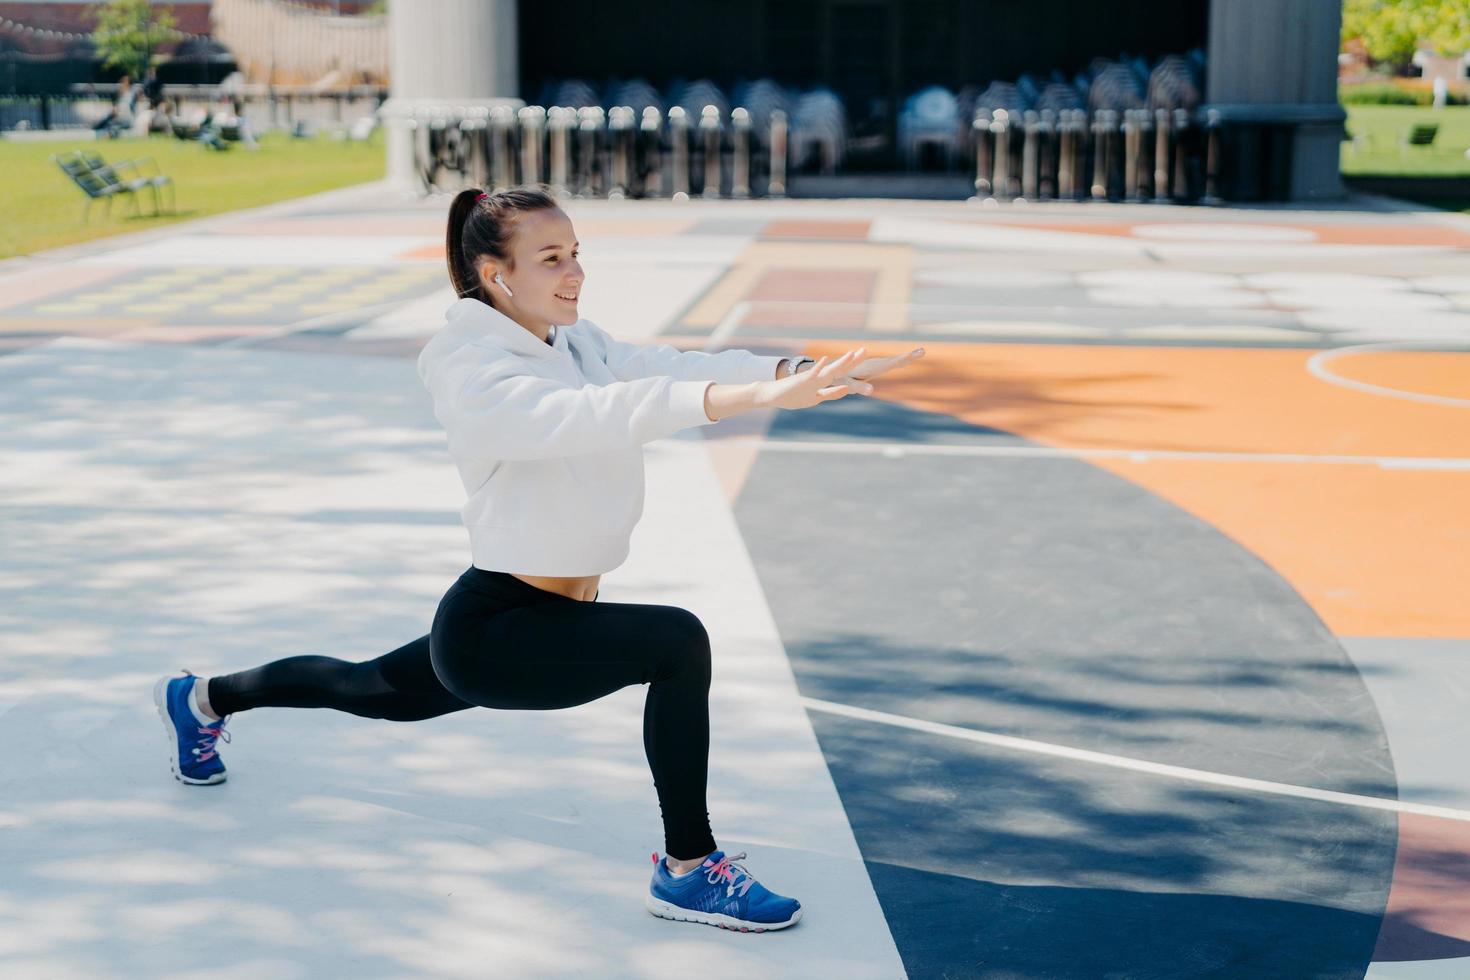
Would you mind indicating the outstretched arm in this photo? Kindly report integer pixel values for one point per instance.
(500, 413)
(631, 361)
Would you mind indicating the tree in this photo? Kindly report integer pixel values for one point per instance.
(129, 31)
(1392, 30)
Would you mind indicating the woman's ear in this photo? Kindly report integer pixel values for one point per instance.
(491, 274)
(486, 272)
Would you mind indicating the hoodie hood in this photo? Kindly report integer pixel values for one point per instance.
(469, 321)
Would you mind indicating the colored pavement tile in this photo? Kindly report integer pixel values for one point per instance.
(276, 295)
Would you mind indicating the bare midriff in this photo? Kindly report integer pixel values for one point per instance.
(580, 587)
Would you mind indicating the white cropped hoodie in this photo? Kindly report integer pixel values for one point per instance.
(548, 438)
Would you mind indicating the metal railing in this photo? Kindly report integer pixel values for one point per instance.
(1132, 155)
(592, 152)
(1157, 156)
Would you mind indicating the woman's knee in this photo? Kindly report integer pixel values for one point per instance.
(686, 644)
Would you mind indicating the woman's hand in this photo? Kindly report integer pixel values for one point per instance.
(875, 366)
(824, 381)
(827, 380)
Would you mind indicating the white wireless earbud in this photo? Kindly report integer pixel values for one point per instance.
(503, 285)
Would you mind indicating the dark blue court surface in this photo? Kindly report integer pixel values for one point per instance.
(1046, 599)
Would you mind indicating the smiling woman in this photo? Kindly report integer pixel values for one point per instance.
(547, 416)
(517, 252)
(516, 241)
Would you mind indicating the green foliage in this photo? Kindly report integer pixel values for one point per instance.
(1385, 93)
(1392, 30)
(1379, 93)
(129, 31)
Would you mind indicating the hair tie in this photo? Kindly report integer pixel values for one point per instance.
(480, 197)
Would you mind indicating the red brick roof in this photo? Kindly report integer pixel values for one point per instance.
(28, 21)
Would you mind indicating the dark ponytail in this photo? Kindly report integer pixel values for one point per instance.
(478, 228)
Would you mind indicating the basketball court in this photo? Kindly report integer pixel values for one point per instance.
(1124, 634)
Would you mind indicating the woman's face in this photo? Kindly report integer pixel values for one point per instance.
(547, 281)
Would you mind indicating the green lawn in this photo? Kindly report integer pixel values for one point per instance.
(42, 208)
(1381, 130)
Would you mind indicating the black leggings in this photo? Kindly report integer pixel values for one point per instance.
(502, 643)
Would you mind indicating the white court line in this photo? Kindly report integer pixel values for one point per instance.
(1314, 367)
(728, 325)
(1136, 765)
(898, 450)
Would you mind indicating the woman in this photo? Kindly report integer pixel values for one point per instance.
(547, 416)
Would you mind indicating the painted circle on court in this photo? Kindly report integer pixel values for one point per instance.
(1392, 375)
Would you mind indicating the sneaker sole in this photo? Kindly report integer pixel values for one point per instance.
(160, 691)
(666, 910)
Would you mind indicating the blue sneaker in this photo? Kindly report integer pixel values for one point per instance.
(719, 893)
(191, 742)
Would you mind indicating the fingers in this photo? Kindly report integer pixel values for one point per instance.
(827, 370)
(832, 378)
(875, 367)
(834, 368)
(908, 357)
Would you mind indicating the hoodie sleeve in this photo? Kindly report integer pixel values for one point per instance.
(503, 414)
(629, 361)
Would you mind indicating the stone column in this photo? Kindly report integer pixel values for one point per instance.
(1273, 63)
(459, 54)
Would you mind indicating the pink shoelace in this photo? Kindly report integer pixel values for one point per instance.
(214, 733)
(727, 868)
